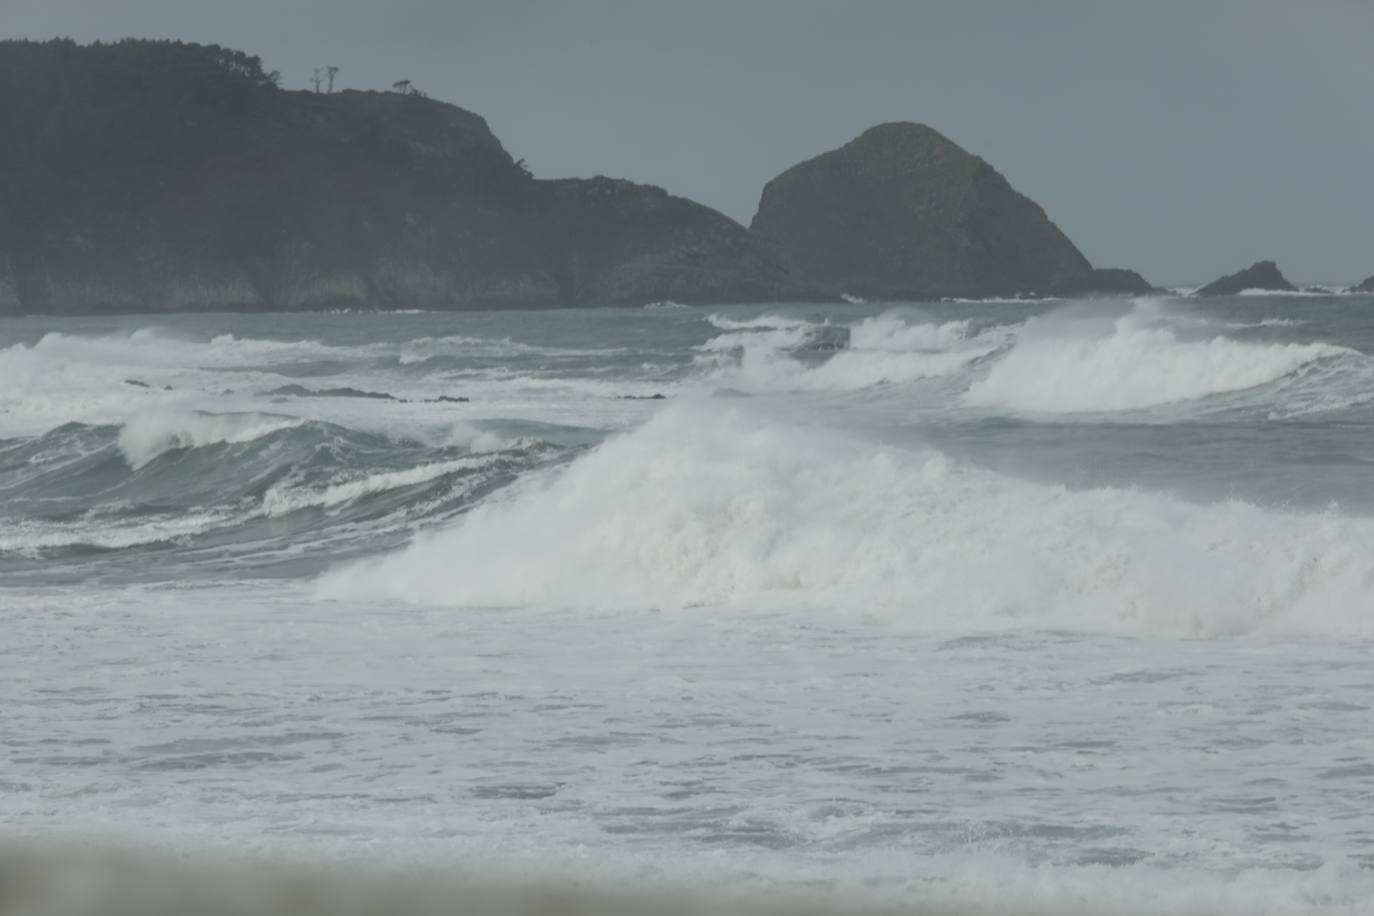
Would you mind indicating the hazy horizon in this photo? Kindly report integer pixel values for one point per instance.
(1182, 142)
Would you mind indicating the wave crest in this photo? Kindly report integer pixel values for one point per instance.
(1061, 363)
(887, 349)
(724, 508)
(148, 435)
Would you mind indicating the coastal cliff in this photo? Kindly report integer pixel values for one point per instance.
(160, 176)
(147, 176)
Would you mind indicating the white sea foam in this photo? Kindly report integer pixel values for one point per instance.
(147, 435)
(28, 537)
(424, 348)
(1267, 323)
(884, 349)
(1065, 363)
(1297, 293)
(892, 332)
(762, 321)
(708, 507)
(286, 497)
(157, 348)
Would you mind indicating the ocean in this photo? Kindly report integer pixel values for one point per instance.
(998, 604)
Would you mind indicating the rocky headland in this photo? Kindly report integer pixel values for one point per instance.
(1364, 286)
(1263, 275)
(145, 176)
(151, 176)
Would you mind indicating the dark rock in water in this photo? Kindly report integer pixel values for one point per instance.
(300, 391)
(446, 399)
(642, 397)
(1260, 275)
(1102, 281)
(904, 213)
(1318, 290)
(1364, 286)
(160, 175)
(136, 383)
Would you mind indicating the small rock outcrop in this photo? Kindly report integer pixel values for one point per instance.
(1260, 275)
(903, 212)
(1364, 286)
(1100, 282)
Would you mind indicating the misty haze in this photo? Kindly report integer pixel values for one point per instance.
(631, 457)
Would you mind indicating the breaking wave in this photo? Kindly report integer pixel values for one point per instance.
(725, 508)
(241, 485)
(149, 435)
(773, 353)
(1067, 363)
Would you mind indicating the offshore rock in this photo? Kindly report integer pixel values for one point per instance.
(160, 176)
(902, 212)
(1103, 281)
(1260, 275)
(1364, 286)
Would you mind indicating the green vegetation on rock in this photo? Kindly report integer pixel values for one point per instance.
(145, 176)
(903, 212)
(155, 175)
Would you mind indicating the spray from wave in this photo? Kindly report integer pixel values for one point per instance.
(1070, 362)
(149, 435)
(704, 506)
(774, 353)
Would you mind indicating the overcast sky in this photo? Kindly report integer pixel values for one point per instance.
(1184, 138)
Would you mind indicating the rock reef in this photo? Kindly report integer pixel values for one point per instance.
(1263, 275)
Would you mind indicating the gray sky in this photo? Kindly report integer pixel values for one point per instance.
(1184, 138)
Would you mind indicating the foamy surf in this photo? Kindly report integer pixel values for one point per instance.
(840, 631)
(148, 435)
(893, 348)
(704, 506)
(1073, 363)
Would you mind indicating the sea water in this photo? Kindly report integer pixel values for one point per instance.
(1010, 604)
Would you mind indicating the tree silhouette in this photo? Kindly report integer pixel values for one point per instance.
(404, 87)
(330, 71)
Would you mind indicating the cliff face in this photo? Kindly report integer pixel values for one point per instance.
(902, 212)
(146, 176)
(1260, 275)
